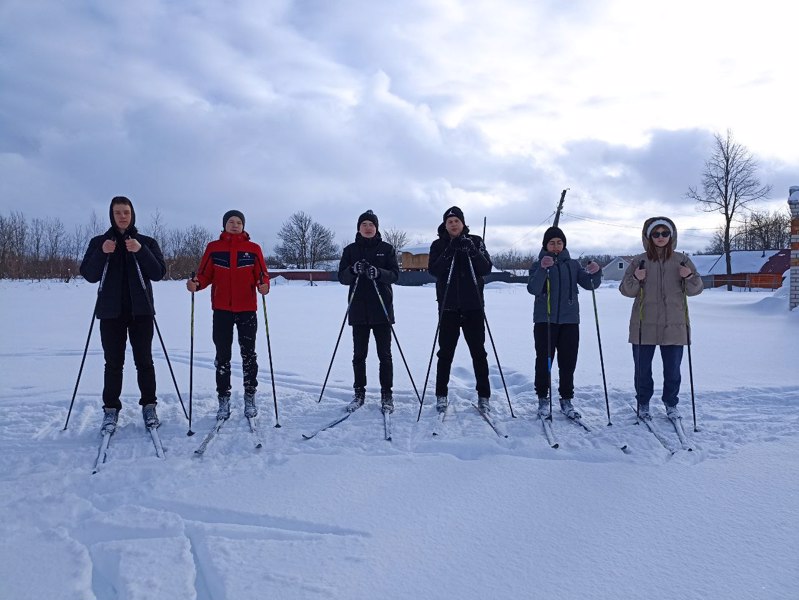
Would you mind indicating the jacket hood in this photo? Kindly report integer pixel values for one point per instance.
(111, 213)
(649, 221)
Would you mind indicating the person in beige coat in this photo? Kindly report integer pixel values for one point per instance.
(659, 280)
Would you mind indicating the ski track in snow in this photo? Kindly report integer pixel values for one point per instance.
(111, 525)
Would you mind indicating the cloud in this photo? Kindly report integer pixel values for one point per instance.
(332, 108)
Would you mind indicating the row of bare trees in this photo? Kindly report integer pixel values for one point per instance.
(45, 249)
(758, 230)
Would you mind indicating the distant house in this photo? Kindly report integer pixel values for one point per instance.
(750, 268)
(614, 270)
(414, 258)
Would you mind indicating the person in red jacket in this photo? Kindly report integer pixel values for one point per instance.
(235, 269)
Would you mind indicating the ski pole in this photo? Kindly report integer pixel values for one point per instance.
(88, 337)
(688, 335)
(158, 329)
(435, 337)
(343, 322)
(638, 350)
(601, 358)
(549, 345)
(396, 339)
(191, 359)
(491, 337)
(269, 349)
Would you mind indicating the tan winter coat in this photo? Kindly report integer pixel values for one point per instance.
(663, 301)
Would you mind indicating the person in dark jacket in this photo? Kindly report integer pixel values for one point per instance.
(369, 267)
(459, 261)
(235, 269)
(553, 281)
(125, 263)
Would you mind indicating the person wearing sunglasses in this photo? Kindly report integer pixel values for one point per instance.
(659, 280)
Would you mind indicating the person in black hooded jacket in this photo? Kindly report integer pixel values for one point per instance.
(459, 261)
(369, 267)
(124, 307)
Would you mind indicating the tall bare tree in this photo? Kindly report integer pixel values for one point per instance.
(729, 184)
(305, 243)
(395, 237)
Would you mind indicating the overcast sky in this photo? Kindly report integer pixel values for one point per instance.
(404, 107)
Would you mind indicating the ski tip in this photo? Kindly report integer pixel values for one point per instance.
(306, 437)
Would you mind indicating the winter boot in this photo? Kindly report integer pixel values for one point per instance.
(109, 420)
(150, 417)
(672, 412)
(567, 409)
(358, 399)
(224, 408)
(643, 412)
(483, 406)
(387, 402)
(250, 410)
(543, 407)
(441, 403)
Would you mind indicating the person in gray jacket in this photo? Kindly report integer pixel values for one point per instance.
(660, 280)
(556, 316)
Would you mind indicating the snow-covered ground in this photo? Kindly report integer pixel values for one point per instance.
(466, 515)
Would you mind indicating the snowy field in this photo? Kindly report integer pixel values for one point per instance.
(346, 515)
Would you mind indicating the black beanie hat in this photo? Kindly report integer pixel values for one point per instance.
(232, 213)
(368, 216)
(554, 232)
(454, 211)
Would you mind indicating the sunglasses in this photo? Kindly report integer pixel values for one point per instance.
(664, 234)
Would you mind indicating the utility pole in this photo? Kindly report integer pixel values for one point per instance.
(560, 207)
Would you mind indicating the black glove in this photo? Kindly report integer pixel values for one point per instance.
(359, 268)
(449, 251)
(372, 272)
(466, 245)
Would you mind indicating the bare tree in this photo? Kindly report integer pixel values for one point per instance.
(95, 226)
(13, 236)
(729, 184)
(395, 237)
(304, 243)
(157, 228)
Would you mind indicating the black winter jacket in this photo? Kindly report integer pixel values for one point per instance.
(366, 308)
(462, 293)
(121, 292)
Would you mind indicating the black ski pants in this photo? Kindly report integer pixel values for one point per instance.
(564, 342)
(113, 335)
(360, 349)
(473, 326)
(246, 324)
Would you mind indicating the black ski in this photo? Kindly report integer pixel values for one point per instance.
(332, 423)
(440, 421)
(677, 422)
(102, 453)
(579, 421)
(387, 425)
(256, 436)
(211, 435)
(546, 421)
(487, 418)
(159, 449)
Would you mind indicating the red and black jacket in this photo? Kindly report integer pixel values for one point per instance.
(232, 266)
